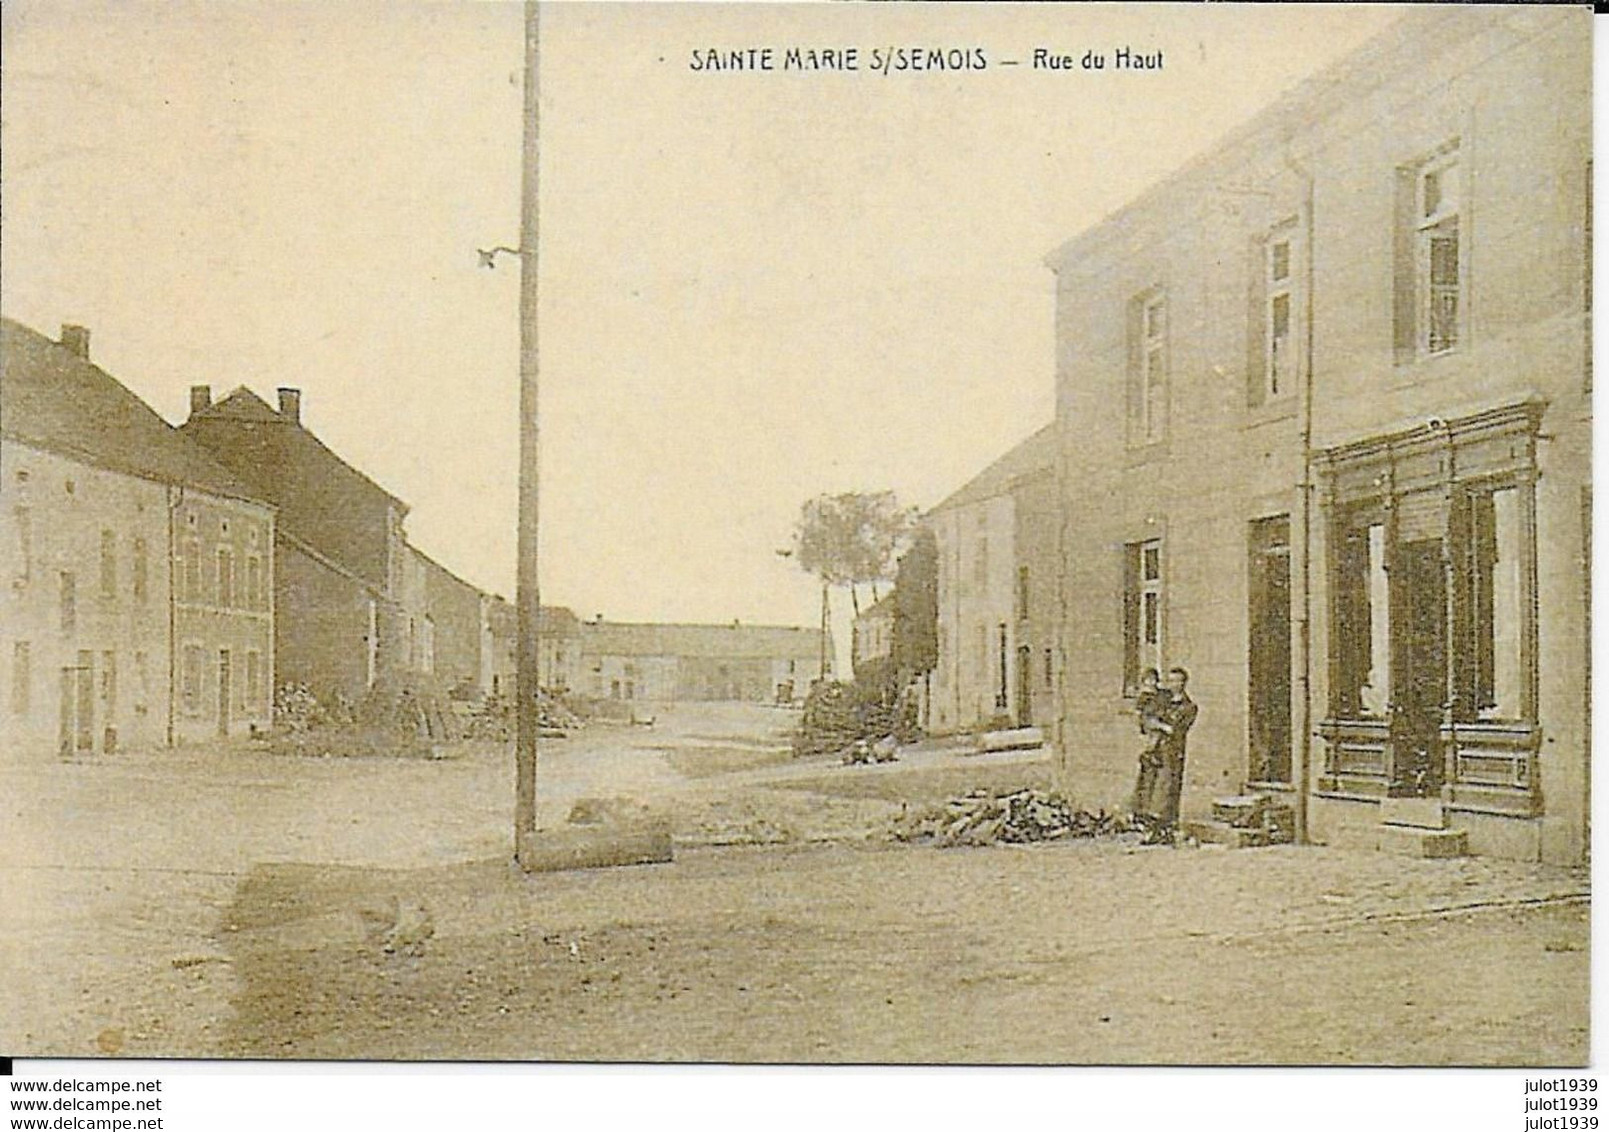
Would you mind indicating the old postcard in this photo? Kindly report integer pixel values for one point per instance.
(901, 534)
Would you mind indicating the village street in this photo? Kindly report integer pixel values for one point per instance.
(206, 903)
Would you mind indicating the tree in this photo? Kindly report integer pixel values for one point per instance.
(852, 539)
(916, 606)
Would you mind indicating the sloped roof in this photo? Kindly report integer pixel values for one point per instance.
(52, 398)
(245, 405)
(728, 642)
(1035, 455)
(552, 620)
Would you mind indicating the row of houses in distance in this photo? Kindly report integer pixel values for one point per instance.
(666, 662)
(1322, 437)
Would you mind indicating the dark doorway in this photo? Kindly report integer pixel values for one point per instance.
(1025, 687)
(1268, 651)
(223, 692)
(1419, 666)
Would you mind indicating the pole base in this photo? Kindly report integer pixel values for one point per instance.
(558, 850)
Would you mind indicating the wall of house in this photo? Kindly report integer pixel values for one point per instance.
(54, 514)
(223, 616)
(454, 607)
(1517, 103)
(977, 595)
(1036, 540)
(324, 621)
(612, 676)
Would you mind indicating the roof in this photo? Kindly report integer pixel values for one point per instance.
(245, 405)
(52, 398)
(729, 642)
(1033, 456)
(1422, 32)
(552, 621)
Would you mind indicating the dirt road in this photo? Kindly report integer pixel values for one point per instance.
(228, 903)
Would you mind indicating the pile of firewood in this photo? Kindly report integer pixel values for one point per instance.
(982, 818)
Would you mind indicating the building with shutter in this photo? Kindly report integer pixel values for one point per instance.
(1325, 397)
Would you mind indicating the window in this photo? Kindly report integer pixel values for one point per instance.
(1279, 338)
(190, 685)
(1488, 660)
(142, 683)
(139, 567)
(108, 564)
(251, 695)
(21, 678)
(1430, 257)
(69, 602)
(1362, 620)
(226, 577)
(1050, 670)
(192, 569)
(1142, 610)
(254, 582)
(1149, 368)
(109, 682)
(1022, 593)
(980, 561)
(25, 544)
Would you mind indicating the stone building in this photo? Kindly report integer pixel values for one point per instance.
(1325, 397)
(667, 662)
(138, 610)
(353, 612)
(996, 540)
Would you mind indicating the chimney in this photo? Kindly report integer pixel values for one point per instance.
(200, 398)
(290, 404)
(76, 339)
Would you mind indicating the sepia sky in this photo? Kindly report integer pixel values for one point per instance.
(756, 286)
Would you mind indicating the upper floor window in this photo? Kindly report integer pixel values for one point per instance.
(1148, 378)
(108, 564)
(1430, 256)
(140, 568)
(69, 602)
(1279, 315)
(25, 544)
(226, 578)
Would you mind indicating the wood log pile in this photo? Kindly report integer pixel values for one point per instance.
(984, 818)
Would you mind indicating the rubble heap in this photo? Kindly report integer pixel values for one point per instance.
(984, 818)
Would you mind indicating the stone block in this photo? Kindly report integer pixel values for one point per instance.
(1222, 833)
(1422, 813)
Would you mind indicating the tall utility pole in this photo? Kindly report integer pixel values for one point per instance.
(527, 681)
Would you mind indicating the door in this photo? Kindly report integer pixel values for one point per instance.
(223, 692)
(1419, 666)
(1268, 652)
(1025, 687)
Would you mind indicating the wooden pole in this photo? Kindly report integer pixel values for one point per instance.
(527, 680)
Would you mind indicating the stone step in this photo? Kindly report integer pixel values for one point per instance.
(1403, 840)
(1213, 832)
(1015, 739)
(1243, 810)
(1421, 813)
